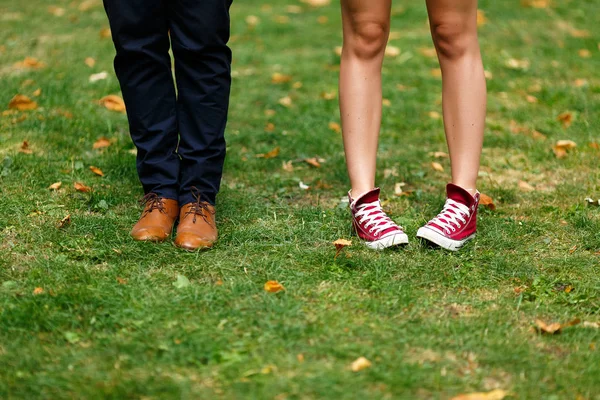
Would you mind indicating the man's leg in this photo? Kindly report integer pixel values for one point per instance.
(199, 34)
(143, 66)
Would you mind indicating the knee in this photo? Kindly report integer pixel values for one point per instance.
(368, 39)
(452, 39)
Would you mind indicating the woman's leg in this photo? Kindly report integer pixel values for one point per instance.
(366, 29)
(454, 31)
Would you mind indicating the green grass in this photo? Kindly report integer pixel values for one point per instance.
(111, 324)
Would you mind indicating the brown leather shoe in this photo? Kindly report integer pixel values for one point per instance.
(158, 217)
(197, 228)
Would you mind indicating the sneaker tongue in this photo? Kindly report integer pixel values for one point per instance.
(459, 194)
(369, 197)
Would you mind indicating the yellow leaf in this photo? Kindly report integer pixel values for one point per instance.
(38, 291)
(96, 171)
(386, 102)
(30, 62)
(438, 154)
(113, 102)
(555, 327)
(22, 103)
(435, 72)
(584, 53)
(481, 18)
(334, 126)
(286, 101)
(101, 143)
(437, 166)
(392, 51)
(329, 95)
(252, 20)
(90, 62)
(496, 394)
(273, 287)
(536, 3)
(37, 92)
(359, 364)
(486, 201)
(80, 187)
(340, 244)
(434, 115)
(271, 154)
(105, 33)
(561, 147)
(280, 78)
(55, 186)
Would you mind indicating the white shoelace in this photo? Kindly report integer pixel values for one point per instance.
(452, 216)
(376, 219)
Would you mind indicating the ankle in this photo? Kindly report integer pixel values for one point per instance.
(357, 193)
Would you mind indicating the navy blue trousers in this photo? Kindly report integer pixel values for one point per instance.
(178, 127)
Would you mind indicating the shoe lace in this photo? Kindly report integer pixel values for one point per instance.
(151, 202)
(372, 217)
(199, 207)
(453, 215)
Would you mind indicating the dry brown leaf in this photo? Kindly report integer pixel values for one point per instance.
(340, 244)
(55, 186)
(554, 327)
(105, 33)
(313, 161)
(398, 189)
(113, 103)
(273, 287)
(270, 127)
(64, 222)
(525, 187)
(271, 154)
(280, 78)
(252, 20)
(584, 53)
(531, 99)
(38, 291)
(121, 281)
(437, 166)
(562, 146)
(22, 103)
(90, 62)
(25, 148)
(580, 33)
(80, 187)
(96, 170)
(334, 126)
(30, 62)
(486, 201)
(37, 92)
(359, 364)
(288, 166)
(580, 83)
(101, 143)
(566, 118)
(496, 394)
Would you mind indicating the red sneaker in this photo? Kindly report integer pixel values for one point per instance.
(457, 222)
(372, 224)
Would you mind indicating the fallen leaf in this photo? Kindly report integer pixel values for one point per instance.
(580, 33)
(280, 78)
(496, 394)
(481, 18)
(252, 20)
(555, 327)
(437, 166)
(105, 33)
(594, 325)
(359, 364)
(66, 221)
(30, 62)
(37, 92)
(435, 72)
(90, 62)
(313, 161)
(271, 154)
(566, 119)
(80, 187)
(297, 85)
(525, 187)
(386, 102)
(181, 282)
(486, 201)
(580, 83)
(334, 126)
(270, 127)
(392, 51)
(531, 99)
(25, 148)
(300, 358)
(536, 3)
(288, 166)
(113, 103)
(340, 244)
(37, 291)
(584, 53)
(22, 103)
(273, 287)
(398, 188)
(329, 95)
(101, 143)
(513, 63)
(56, 11)
(121, 281)
(316, 3)
(96, 170)
(428, 52)
(434, 115)
(286, 101)
(562, 146)
(439, 154)
(55, 186)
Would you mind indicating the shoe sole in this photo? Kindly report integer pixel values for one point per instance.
(388, 241)
(441, 240)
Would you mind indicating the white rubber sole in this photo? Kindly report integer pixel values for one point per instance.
(396, 239)
(441, 240)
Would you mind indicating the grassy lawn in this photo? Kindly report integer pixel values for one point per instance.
(87, 313)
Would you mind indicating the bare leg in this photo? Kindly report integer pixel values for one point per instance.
(454, 31)
(366, 29)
